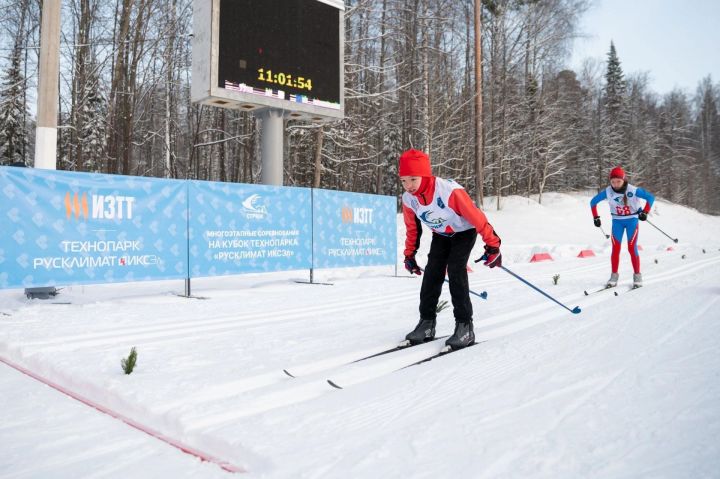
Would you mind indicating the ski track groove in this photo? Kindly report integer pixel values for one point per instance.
(292, 394)
(498, 371)
(233, 321)
(507, 320)
(304, 388)
(503, 328)
(651, 348)
(597, 386)
(682, 324)
(207, 329)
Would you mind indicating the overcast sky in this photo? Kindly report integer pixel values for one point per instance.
(676, 42)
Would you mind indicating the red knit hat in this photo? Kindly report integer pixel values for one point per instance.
(617, 172)
(414, 163)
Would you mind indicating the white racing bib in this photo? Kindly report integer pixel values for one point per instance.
(618, 208)
(437, 215)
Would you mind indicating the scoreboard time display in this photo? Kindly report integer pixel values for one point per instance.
(284, 54)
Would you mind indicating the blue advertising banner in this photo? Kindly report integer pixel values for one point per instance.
(240, 228)
(61, 228)
(353, 229)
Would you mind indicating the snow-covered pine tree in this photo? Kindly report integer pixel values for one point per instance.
(13, 136)
(615, 84)
(641, 139)
(92, 134)
(13, 111)
(676, 147)
(614, 119)
(708, 132)
(389, 159)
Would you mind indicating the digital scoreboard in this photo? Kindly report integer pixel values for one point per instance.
(282, 54)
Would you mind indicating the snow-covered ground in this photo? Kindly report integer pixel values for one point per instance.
(629, 388)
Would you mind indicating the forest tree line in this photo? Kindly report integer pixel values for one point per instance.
(410, 81)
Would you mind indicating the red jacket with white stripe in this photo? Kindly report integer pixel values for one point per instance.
(433, 198)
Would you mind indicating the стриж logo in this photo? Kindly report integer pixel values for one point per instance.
(252, 209)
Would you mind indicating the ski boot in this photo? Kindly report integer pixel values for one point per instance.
(462, 337)
(637, 280)
(424, 331)
(612, 282)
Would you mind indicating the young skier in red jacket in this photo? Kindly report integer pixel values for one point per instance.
(445, 207)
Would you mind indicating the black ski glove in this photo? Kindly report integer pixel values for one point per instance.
(642, 216)
(412, 266)
(596, 220)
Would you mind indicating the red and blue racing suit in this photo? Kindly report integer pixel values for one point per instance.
(624, 209)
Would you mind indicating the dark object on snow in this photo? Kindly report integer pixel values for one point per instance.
(44, 292)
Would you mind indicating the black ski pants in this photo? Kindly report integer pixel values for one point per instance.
(451, 253)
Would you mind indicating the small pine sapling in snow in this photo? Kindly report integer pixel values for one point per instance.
(128, 364)
(441, 305)
(556, 278)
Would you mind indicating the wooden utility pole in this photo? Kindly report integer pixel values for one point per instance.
(479, 161)
(47, 101)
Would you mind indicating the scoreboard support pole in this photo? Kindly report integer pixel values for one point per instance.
(272, 131)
